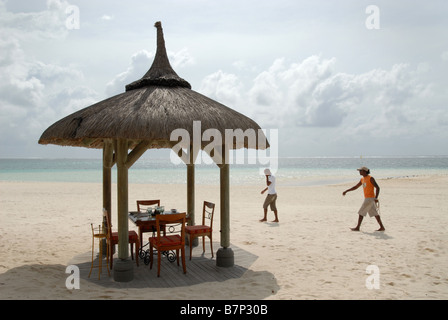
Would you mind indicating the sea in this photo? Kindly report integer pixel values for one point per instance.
(292, 171)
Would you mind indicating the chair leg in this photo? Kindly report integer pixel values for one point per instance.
(100, 258)
(211, 243)
(183, 260)
(191, 244)
(158, 262)
(107, 258)
(91, 266)
(203, 244)
(107, 253)
(132, 250)
(177, 254)
(111, 253)
(140, 237)
(137, 248)
(151, 258)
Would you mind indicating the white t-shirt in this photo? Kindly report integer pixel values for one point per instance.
(271, 187)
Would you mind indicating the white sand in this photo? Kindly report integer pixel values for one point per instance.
(310, 254)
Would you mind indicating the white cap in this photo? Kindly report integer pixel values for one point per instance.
(267, 172)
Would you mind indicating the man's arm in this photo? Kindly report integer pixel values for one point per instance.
(352, 188)
(377, 188)
(267, 181)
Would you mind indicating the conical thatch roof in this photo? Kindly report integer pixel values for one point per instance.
(161, 73)
(150, 109)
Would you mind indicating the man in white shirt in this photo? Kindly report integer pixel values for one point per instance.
(271, 198)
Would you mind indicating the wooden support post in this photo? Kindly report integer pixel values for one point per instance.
(190, 189)
(225, 256)
(191, 194)
(108, 163)
(123, 268)
(225, 202)
(107, 184)
(122, 199)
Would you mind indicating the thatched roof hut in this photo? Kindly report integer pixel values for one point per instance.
(144, 117)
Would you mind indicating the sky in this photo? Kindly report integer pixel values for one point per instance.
(332, 78)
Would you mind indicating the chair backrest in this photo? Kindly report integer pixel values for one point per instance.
(147, 203)
(208, 212)
(174, 224)
(95, 229)
(98, 231)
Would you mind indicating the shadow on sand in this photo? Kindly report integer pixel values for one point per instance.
(40, 281)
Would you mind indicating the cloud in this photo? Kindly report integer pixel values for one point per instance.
(377, 105)
(106, 17)
(140, 63)
(311, 93)
(34, 93)
(444, 56)
(49, 23)
(181, 58)
(222, 87)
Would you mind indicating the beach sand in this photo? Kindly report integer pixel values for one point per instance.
(310, 254)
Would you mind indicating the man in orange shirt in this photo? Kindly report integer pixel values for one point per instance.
(371, 193)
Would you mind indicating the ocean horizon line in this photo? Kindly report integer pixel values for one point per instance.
(285, 157)
(290, 170)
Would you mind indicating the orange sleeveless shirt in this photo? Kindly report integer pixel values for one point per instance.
(368, 187)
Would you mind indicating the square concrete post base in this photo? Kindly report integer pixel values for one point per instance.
(225, 258)
(123, 270)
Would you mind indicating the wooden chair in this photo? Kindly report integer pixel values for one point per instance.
(100, 234)
(174, 240)
(141, 203)
(112, 240)
(203, 229)
(140, 207)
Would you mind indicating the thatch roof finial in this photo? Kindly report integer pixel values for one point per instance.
(161, 73)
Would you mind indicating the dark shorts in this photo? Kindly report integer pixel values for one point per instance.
(270, 201)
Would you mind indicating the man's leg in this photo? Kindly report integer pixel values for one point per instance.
(360, 217)
(366, 207)
(276, 216)
(274, 207)
(378, 219)
(266, 204)
(265, 215)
